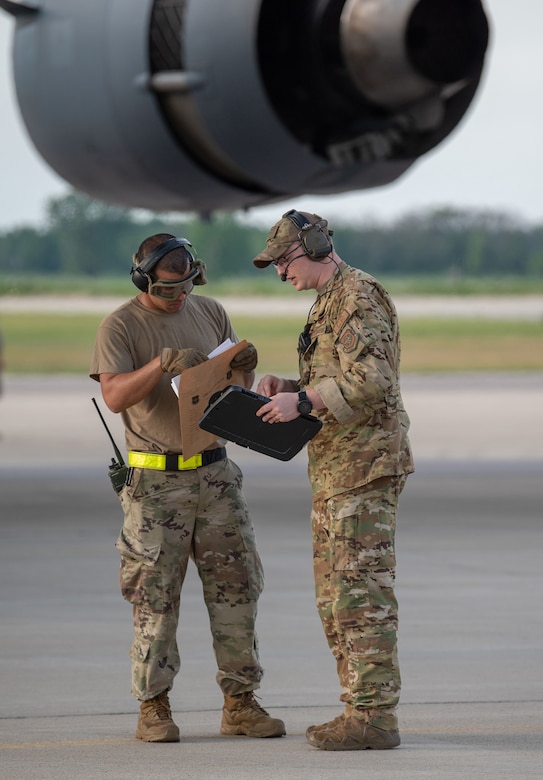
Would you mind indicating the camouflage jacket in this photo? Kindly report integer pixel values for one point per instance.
(353, 362)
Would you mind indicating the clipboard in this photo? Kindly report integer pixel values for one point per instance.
(231, 415)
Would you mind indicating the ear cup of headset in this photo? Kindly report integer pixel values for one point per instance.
(140, 279)
(315, 241)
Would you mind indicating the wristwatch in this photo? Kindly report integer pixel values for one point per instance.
(304, 404)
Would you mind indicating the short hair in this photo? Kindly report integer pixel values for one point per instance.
(176, 260)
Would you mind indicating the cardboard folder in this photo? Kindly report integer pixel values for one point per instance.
(196, 387)
(231, 415)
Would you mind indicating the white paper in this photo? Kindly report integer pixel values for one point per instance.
(227, 343)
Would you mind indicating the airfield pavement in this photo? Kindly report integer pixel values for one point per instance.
(485, 306)
(470, 552)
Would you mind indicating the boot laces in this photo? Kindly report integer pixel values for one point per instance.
(249, 701)
(161, 708)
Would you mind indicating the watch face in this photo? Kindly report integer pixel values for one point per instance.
(304, 404)
(305, 407)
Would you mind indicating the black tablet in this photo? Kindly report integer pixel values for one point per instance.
(231, 415)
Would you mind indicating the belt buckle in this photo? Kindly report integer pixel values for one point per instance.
(191, 463)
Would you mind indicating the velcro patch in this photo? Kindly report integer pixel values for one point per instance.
(349, 339)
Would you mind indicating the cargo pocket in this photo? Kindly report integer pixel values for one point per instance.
(359, 542)
(140, 581)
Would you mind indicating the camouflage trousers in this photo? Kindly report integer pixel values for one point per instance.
(170, 517)
(354, 567)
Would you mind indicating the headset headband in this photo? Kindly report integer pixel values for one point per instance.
(150, 260)
(298, 219)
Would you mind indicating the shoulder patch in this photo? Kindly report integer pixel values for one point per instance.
(348, 339)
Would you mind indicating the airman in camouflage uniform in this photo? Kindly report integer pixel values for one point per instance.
(358, 462)
(176, 509)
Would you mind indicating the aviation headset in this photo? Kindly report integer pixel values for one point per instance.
(315, 240)
(141, 273)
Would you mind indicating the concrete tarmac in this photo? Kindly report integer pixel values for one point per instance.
(469, 585)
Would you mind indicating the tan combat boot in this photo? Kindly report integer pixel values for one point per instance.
(349, 733)
(155, 722)
(329, 725)
(242, 715)
(348, 711)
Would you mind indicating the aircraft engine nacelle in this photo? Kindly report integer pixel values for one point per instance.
(200, 105)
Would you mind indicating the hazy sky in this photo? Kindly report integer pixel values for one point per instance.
(494, 158)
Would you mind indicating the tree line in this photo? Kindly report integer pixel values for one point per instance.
(82, 236)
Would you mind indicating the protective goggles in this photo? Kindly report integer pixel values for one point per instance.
(170, 291)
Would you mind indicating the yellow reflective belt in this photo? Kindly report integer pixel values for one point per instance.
(148, 460)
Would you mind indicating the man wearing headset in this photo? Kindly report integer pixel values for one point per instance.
(349, 354)
(176, 508)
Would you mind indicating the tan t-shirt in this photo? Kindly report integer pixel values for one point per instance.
(131, 336)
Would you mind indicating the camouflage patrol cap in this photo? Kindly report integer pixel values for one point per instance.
(285, 232)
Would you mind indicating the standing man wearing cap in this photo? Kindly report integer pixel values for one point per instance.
(349, 354)
(176, 509)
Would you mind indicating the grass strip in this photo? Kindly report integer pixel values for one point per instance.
(62, 343)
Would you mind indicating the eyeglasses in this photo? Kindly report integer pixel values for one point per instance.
(170, 291)
(284, 259)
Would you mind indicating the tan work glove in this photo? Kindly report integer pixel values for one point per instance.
(245, 360)
(174, 361)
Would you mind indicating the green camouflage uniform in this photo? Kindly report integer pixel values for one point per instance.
(171, 516)
(358, 463)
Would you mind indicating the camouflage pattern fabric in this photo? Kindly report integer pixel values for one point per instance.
(354, 565)
(353, 361)
(358, 463)
(170, 517)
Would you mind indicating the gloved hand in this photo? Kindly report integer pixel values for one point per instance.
(174, 361)
(246, 359)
